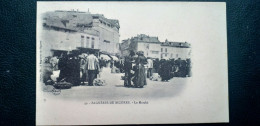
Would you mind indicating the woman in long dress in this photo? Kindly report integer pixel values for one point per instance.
(140, 76)
(63, 67)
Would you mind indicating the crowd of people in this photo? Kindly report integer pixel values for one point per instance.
(78, 69)
(168, 69)
(137, 68)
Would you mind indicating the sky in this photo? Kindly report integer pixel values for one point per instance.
(175, 21)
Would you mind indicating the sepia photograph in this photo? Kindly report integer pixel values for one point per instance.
(102, 63)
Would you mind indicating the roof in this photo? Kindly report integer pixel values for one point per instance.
(145, 38)
(56, 22)
(176, 44)
(74, 19)
(142, 38)
(67, 20)
(149, 42)
(113, 22)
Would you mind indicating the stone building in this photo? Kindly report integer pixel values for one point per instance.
(152, 47)
(109, 33)
(175, 50)
(141, 43)
(67, 30)
(63, 40)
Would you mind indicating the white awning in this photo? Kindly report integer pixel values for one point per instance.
(114, 58)
(105, 57)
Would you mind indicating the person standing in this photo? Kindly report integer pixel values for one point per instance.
(63, 67)
(83, 69)
(188, 67)
(128, 68)
(97, 65)
(73, 66)
(165, 70)
(156, 65)
(140, 77)
(70, 67)
(178, 64)
(76, 70)
(111, 63)
(150, 67)
(102, 63)
(183, 68)
(92, 66)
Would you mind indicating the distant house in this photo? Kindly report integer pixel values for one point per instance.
(175, 50)
(152, 47)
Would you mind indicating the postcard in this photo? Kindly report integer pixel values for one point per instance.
(103, 63)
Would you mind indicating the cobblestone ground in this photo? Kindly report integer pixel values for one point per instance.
(114, 89)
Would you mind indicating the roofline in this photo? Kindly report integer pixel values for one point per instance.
(177, 46)
(149, 42)
(51, 26)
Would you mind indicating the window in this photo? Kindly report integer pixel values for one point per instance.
(82, 41)
(161, 55)
(176, 55)
(161, 49)
(165, 49)
(87, 42)
(92, 43)
(171, 55)
(165, 55)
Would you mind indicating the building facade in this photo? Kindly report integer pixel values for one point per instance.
(67, 30)
(109, 33)
(152, 47)
(149, 45)
(175, 50)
